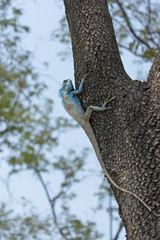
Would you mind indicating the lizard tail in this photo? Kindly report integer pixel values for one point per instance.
(89, 131)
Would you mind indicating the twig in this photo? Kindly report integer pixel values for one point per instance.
(130, 25)
(119, 230)
(52, 202)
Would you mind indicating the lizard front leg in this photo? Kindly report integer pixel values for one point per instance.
(75, 92)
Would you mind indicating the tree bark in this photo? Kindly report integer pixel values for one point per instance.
(129, 133)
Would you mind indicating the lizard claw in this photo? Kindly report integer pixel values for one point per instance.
(85, 75)
(108, 108)
(109, 99)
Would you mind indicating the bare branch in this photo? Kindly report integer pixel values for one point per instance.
(149, 13)
(130, 25)
(119, 230)
(4, 131)
(127, 48)
(52, 202)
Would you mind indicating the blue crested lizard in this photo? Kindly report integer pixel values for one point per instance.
(74, 108)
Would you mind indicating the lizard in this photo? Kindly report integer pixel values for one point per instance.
(73, 106)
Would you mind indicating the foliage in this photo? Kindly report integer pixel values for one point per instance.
(31, 226)
(83, 231)
(26, 125)
(25, 226)
(60, 222)
(62, 34)
(137, 26)
(68, 225)
(136, 23)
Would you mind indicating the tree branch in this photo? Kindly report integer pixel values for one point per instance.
(126, 146)
(52, 202)
(90, 40)
(154, 79)
(130, 25)
(5, 131)
(149, 13)
(133, 52)
(119, 230)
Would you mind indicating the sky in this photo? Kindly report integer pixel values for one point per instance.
(43, 17)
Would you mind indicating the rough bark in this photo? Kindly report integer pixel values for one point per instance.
(129, 133)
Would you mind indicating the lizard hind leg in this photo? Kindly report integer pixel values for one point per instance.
(91, 108)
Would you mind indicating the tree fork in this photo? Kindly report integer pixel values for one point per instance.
(129, 134)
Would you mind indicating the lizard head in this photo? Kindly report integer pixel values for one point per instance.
(67, 86)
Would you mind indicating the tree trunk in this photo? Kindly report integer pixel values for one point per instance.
(129, 133)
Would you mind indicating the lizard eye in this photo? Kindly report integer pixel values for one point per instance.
(66, 82)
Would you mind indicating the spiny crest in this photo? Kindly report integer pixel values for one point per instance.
(62, 89)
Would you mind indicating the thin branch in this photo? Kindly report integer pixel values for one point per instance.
(119, 230)
(52, 202)
(149, 13)
(127, 48)
(149, 32)
(4, 131)
(147, 27)
(111, 216)
(130, 25)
